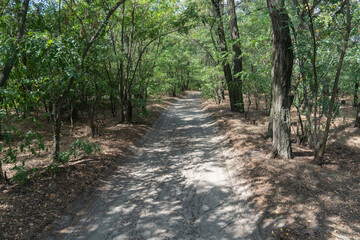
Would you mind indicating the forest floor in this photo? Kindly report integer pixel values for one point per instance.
(30, 209)
(178, 184)
(297, 198)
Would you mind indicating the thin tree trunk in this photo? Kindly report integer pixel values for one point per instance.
(126, 102)
(92, 116)
(300, 137)
(8, 66)
(315, 89)
(357, 120)
(57, 130)
(71, 115)
(59, 23)
(222, 90)
(319, 153)
(58, 109)
(224, 49)
(1, 172)
(92, 111)
(356, 97)
(308, 104)
(98, 30)
(238, 59)
(120, 63)
(112, 86)
(127, 108)
(281, 74)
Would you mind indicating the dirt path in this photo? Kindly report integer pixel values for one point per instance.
(179, 185)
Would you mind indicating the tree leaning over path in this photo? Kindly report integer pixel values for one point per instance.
(281, 78)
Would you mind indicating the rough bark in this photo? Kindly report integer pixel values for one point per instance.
(238, 59)
(320, 150)
(224, 49)
(281, 77)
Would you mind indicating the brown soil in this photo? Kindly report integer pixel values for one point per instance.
(27, 211)
(298, 199)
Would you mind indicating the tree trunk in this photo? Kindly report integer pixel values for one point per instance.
(127, 108)
(357, 121)
(222, 90)
(1, 173)
(320, 150)
(300, 137)
(307, 133)
(71, 115)
(58, 108)
(57, 131)
(9, 64)
(281, 75)
(224, 50)
(92, 111)
(238, 59)
(356, 97)
(126, 101)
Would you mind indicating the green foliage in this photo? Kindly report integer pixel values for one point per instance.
(168, 47)
(22, 176)
(31, 143)
(79, 146)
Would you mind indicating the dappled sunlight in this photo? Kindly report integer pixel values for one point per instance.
(297, 199)
(177, 186)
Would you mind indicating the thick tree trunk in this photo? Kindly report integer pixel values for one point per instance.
(224, 49)
(238, 59)
(281, 74)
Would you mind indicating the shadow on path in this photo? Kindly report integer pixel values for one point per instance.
(176, 186)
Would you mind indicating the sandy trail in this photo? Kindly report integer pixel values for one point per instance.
(179, 185)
